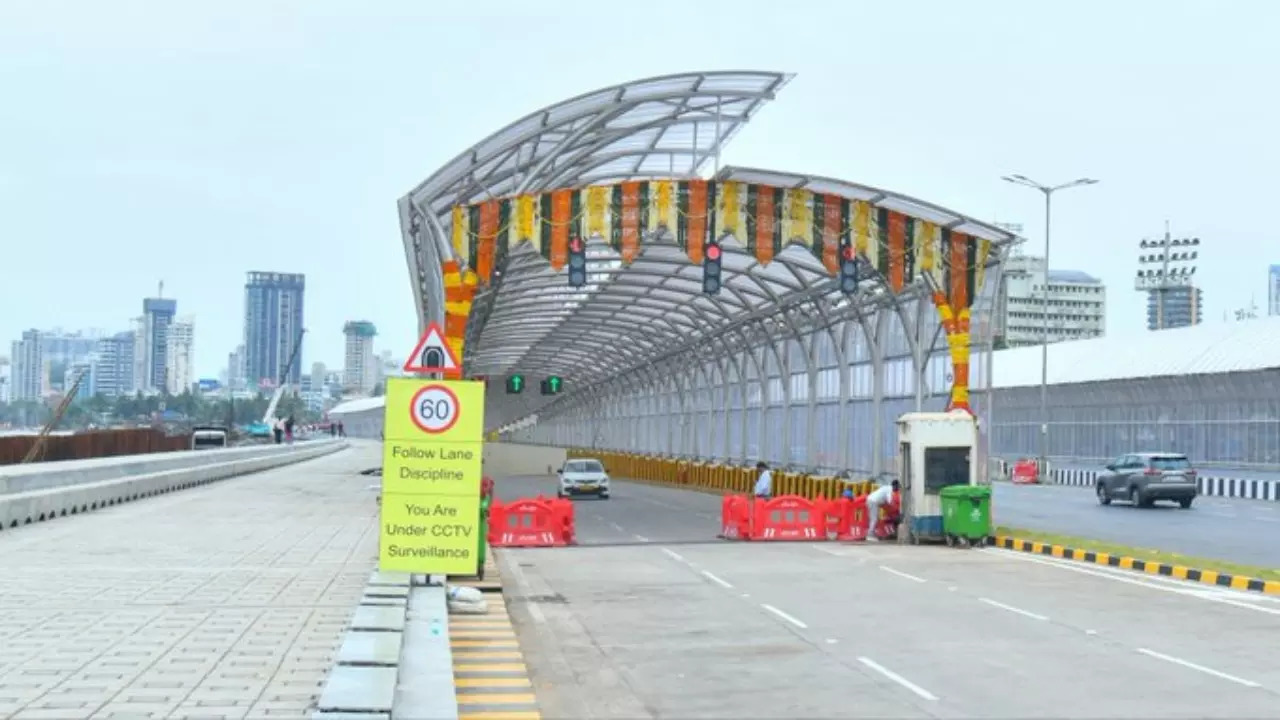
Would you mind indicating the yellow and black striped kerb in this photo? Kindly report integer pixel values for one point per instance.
(489, 672)
(1207, 577)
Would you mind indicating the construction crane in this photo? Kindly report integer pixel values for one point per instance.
(284, 380)
(36, 452)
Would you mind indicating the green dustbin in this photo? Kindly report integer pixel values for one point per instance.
(484, 533)
(966, 514)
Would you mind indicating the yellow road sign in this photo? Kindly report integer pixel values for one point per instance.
(435, 410)
(427, 467)
(431, 534)
(431, 467)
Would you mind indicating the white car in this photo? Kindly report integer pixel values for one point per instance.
(583, 476)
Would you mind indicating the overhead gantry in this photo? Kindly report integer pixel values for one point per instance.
(780, 364)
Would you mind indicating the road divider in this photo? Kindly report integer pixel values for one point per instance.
(74, 487)
(1150, 567)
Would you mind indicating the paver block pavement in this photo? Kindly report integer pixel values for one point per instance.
(237, 592)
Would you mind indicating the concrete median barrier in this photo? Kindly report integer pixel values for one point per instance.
(69, 488)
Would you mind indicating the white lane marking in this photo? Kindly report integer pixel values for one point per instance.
(1267, 509)
(1012, 609)
(784, 616)
(641, 538)
(1090, 632)
(535, 611)
(1201, 668)
(1220, 514)
(828, 550)
(617, 527)
(901, 574)
(717, 580)
(1266, 519)
(832, 641)
(674, 555)
(1190, 590)
(897, 678)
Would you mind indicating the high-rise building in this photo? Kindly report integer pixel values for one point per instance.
(113, 366)
(235, 368)
(29, 368)
(65, 348)
(157, 316)
(360, 369)
(6, 378)
(180, 356)
(1273, 290)
(1077, 306)
(272, 325)
(1182, 306)
(138, 327)
(82, 369)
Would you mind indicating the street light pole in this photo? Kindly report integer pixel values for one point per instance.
(1048, 191)
(1176, 260)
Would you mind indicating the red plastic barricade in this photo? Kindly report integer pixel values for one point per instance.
(792, 517)
(531, 523)
(858, 520)
(735, 517)
(839, 516)
(789, 517)
(1026, 472)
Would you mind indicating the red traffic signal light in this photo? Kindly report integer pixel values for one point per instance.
(847, 252)
(713, 252)
(575, 245)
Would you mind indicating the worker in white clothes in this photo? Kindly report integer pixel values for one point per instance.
(764, 483)
(882, 496)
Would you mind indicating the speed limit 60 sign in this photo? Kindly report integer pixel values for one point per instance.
(434, 409)
(439, 410)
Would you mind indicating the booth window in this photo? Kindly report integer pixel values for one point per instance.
(945, 466)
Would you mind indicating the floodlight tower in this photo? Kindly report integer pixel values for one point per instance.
(1164, 264)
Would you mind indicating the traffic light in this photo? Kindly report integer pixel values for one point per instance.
(577, 262)
(515, 384)
(711, 267)
(552, 385)
(848, 267)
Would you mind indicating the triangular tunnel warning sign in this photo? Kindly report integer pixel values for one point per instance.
(432, 354)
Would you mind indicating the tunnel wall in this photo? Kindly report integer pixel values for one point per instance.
(504, 459)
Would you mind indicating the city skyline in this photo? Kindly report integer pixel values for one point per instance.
(210, 360)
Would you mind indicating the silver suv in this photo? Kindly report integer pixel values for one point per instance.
(1143, 478)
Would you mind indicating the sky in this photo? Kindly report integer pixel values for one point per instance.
(190, 143)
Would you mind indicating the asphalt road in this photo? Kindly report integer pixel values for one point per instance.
(1243, 531)
(651, 618)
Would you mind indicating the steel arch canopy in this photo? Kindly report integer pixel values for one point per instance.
(669, 125)
(619, 168)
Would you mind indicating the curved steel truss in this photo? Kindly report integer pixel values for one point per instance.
(667, 126)
(631, 320)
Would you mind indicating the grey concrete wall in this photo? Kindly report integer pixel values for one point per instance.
(20, 508)
(49, 475)
(515, 459)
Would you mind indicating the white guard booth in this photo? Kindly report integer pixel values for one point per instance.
(934, 450)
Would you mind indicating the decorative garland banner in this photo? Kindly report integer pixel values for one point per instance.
(459, 293)
(763, 218)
